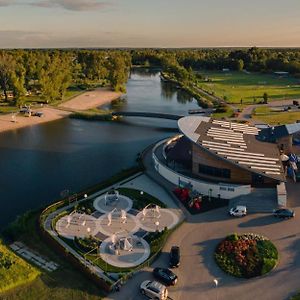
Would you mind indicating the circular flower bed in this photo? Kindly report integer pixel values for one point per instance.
(246, 255)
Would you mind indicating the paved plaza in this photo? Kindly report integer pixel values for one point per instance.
(105, 205)
(121, 227)
(130, 225)
(76, 224)
(125, 258)
(152, 220)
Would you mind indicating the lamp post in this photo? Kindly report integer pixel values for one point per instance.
(209, 194)
(141, 193)
(157, 225)
(216, 282)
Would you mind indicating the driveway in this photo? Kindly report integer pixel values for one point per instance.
(198, 238)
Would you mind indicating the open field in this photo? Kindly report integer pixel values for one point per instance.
(14, 271)
(240, 85)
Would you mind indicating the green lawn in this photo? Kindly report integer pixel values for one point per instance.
(14, 271)
(37, 100)
(278, 118)
(239, 85)
(65, 283)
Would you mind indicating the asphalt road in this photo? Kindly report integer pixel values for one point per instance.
(198, 238)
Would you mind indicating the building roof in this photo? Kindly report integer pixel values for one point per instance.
(271, 134)
(235, 143)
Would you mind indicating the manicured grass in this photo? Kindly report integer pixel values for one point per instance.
(140, 200)
(65, 283)
(246, 255)
(14, 271)
(262, 110)
(278, 118)
(6, 108)
(226, 114)
(239, 85)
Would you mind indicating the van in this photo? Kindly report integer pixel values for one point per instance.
(154, 290)
(238, 211)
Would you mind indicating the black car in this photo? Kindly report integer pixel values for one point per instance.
(174, 257)
(284, 213)
(165, 275)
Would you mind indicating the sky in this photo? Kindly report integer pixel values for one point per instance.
(149, 23)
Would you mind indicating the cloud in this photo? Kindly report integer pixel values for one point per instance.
(7, 2)
(74, 5)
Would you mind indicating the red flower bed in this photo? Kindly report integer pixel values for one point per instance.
(247, 255)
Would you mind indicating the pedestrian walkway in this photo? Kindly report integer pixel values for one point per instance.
(33, 257)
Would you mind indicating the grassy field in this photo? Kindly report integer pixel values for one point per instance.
(269, 116)
(7, 107)
(273, 118)
(14, 271)
(65, 283)
(239, 85)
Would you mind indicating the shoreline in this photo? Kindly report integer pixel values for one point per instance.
(82, 102)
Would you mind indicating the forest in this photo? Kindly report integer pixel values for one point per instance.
(48, 74)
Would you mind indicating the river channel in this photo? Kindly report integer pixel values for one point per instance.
(38, 162)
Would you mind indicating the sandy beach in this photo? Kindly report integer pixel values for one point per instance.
(81, 102)
(90, 99)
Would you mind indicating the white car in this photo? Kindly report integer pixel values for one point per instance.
(154, 290)
(238, 211)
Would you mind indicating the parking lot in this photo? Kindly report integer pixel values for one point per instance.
(198, 238)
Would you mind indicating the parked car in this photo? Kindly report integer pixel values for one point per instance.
(165, 275)
(154, 290)
(37, 114)
(174, 257)
(238, 211)
(284, 213)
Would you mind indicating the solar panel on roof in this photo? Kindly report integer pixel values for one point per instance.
(226, 138)
(258, 164)
(245, 156)
(228, 150)
(266, 169)
(273, 173)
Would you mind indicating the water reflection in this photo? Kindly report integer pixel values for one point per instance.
(38, 162)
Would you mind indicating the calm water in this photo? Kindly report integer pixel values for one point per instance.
(38, 162)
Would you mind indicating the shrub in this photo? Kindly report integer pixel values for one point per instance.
(233, 237)
(246, 255)
(268, 265)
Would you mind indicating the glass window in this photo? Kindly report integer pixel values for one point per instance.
(213, 171)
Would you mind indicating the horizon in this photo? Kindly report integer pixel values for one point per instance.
(44, 24)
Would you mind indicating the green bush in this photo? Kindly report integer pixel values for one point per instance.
(232, 237)
(247, 255)
(268, 265)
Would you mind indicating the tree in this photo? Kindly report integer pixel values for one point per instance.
(118, 72)
(240, 65)
(55, 77)
(265, 97)
(7, 69)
